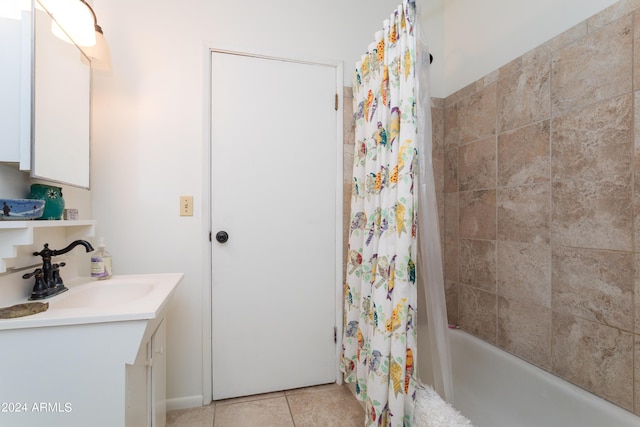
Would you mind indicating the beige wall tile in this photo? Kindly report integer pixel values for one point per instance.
(512, 67)
(440, 207)
(451, 170)
(595, 140)
(346, 221)
(636, 300)
(477, 215)
(524, 213)
(477, 115)
(437, 151)
(595, 213)
(636, 385)
(524, 272)
(347, 163)
(437, 160)
(478, 310)
(451, 224)
(348, 123)
(636, 211)
(523, 97)
(451, 259)
(593, 356)
(478, 263)
(451, 133)
(462, 93)
(636, 118)
(586, 200)
(596, 67)
(451, 296)
(525, 330)
(612, 13)
(636, 49)
(437, 102)
(437, 128)
(477, 165)
(594, 284)
(523, 155)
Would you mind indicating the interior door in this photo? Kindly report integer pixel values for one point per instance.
(274, 183)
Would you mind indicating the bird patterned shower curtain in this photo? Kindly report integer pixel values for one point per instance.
(379, 338)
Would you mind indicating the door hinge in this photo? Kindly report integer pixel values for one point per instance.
(210, 236)
(336, 106)
(335, 334)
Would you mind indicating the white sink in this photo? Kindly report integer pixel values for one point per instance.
(121, 298)
(104, 293)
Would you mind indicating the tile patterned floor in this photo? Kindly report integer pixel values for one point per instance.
(328, 405)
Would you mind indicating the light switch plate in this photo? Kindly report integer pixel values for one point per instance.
(186, 205)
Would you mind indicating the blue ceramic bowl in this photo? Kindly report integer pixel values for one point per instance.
(21, 209)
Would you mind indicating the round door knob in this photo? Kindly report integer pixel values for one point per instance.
(222, 236)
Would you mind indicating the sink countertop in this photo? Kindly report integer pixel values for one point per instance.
(128, 303)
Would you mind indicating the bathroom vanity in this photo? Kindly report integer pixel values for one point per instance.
(95, 357)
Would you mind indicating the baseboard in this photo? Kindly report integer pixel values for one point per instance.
(184, 403)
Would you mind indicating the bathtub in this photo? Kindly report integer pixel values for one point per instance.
(496, 389)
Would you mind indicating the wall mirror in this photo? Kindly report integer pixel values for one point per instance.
(48, 97)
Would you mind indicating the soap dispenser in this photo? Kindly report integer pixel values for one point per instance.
(101, 262)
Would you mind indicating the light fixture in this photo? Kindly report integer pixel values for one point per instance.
(98, 54)
(73, 21)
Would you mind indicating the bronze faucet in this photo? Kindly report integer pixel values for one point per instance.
(48, 280)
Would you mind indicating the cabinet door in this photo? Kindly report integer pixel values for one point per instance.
(137, 390)
(158, 377)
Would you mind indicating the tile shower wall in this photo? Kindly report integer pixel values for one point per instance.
(541, 178)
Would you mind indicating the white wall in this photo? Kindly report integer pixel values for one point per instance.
(149, 137)
(150, 132)
(481, 36)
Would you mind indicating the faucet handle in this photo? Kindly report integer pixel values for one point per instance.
(55, 274)
(40, 286)
(37, 272)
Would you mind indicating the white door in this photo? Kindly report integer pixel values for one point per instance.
(274, 192)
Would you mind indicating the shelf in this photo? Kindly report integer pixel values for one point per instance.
(4, 225)
(25, 233)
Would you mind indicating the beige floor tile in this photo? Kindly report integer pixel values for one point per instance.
(315, 388)
(249, 398)
(194, 417)
(332, 407)
(272, 412)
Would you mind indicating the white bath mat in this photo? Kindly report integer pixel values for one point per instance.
(432, 411)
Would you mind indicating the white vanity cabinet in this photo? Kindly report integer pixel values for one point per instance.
(96, 357)
(146, 383)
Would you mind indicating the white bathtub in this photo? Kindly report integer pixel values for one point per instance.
(495, 389)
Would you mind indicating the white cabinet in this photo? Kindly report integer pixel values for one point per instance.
(15, 86)
(92, 359)
(146, 383)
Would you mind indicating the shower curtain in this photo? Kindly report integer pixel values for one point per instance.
(379, 336)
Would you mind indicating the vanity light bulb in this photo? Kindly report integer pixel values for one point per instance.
(72, 21)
